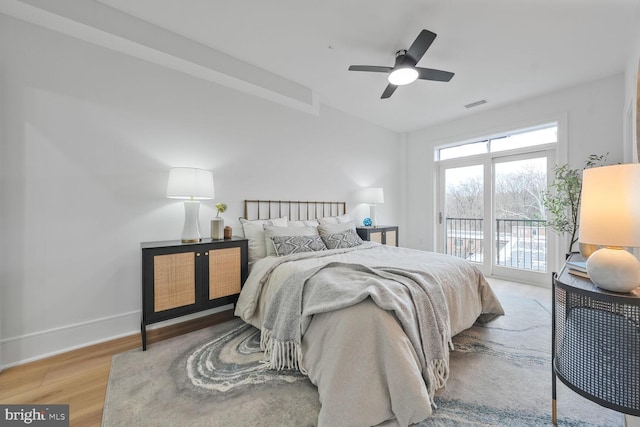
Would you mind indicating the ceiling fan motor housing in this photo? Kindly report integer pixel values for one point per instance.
(402, 59)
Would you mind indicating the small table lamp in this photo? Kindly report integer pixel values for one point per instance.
(373, 196)
(610, 217)
(192, 185)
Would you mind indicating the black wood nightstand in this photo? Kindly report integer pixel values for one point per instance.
(183, 278)
(385, 234)
(596, 342)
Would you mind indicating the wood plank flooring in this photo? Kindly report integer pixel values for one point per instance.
(79, 378)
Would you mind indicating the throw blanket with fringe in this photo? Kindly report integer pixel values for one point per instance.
(415, 297)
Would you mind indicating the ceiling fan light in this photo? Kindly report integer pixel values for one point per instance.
(403, 76)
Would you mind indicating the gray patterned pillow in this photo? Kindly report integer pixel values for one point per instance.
(287, 245)
(348, 239)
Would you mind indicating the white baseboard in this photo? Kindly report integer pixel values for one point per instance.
(39, 345)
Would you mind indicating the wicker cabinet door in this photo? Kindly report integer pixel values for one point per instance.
(225, 272)
(174, 283)
(375, 236)
(391, 238)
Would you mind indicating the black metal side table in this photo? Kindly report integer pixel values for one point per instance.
(596, 342)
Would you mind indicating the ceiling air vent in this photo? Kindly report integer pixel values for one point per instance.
(475, 104)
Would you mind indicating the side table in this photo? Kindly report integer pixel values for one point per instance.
(596, 342)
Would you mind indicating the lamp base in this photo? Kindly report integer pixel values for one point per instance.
(191, 230)
(372, 215)
(614, 269)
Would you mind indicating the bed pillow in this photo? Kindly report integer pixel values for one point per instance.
(287, 245)
(334, 219)
(346, 239)
(271, 231)
(304, 223)
(254, 232)
(326, 229)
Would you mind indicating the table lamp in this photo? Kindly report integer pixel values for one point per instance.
(373, 196)
(192, 185)
(610, 217)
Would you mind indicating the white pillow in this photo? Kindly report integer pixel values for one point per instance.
(254, 232)
(304, 223)
(271, 231)
(335, 219)
(327, 229)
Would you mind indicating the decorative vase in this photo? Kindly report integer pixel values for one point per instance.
(217, 228)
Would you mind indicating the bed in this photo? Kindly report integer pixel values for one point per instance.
(370, 324)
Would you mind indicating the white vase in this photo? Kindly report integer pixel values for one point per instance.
(217, 228)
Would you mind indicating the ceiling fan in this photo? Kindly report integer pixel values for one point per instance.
(405, 71)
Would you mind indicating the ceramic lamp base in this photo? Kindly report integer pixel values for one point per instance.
(191, 230)
(614, 269)
(372, 215)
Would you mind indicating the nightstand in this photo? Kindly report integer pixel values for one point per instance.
(385, 234)
(183, 278)
(596, 342)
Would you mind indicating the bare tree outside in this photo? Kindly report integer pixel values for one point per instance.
(519, 213)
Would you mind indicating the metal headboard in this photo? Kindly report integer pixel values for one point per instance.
(295, 209)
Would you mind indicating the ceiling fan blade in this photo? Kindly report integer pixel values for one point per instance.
(421, 44)
(388, 91)
(431, 74)
(372, 68)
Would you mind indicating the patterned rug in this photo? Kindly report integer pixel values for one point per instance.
(500, 376)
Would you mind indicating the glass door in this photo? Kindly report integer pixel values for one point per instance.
(462, 231)
(521, 250)
(491, 214)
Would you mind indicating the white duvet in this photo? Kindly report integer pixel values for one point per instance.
(362, 362)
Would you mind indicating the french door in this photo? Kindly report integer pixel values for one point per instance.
(491, 213)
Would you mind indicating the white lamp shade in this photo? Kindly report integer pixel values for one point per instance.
(610, 216)
(372, 195)
(610, 206)
(190, 183)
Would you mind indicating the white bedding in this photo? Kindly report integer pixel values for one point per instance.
(366, 370)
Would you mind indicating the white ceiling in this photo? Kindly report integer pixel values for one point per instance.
(500, 50)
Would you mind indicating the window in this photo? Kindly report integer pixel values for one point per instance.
(530, 137)
(489, 193)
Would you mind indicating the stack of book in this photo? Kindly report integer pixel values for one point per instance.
(578, 268)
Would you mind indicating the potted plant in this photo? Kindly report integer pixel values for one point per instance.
(562, 199)
(217, 223)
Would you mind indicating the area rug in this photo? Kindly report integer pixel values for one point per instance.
(500, 376)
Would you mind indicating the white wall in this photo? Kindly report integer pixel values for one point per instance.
(88, 137)
(632, 83)
(593, 113)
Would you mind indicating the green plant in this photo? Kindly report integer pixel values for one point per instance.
(562, 199)
(221, 207)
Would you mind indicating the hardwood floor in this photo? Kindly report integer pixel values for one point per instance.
(79, 378)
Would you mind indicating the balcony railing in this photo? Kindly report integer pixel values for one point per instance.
(520, 244)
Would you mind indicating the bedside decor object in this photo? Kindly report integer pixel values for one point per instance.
(191, 185)
(595, 341)
(217, 228)
(610, 216)
(373, 196)
(385, 234)
(228, 232)
(367, 222)
(184, 278)
(217, 223)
